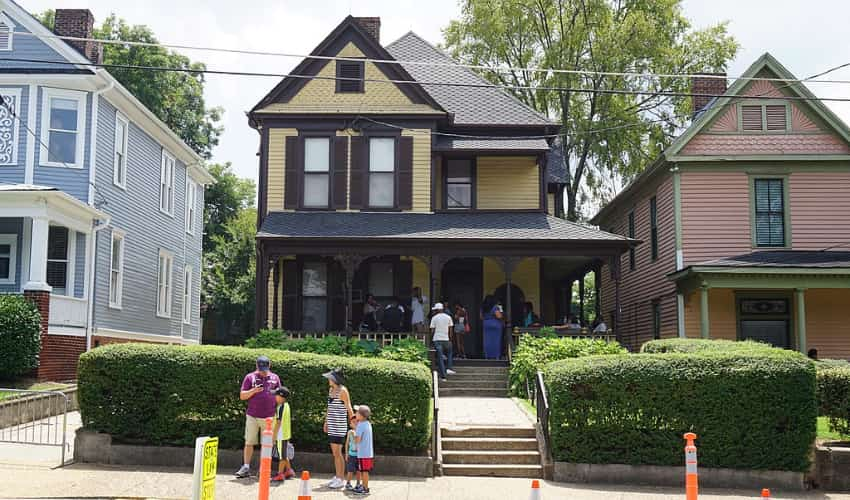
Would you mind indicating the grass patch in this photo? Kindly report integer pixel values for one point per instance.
(824, 434)
(28, 385)
(527, 407)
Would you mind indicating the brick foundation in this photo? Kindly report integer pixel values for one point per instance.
(59, 353)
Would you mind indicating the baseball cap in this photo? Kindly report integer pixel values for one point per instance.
(437, 306)
(263, 363)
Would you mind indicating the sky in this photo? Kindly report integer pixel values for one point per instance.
(806, 36)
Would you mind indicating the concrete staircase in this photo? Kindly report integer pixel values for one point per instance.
(477, 378)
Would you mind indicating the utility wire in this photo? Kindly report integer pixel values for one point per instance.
(451, 64)
(654, 93)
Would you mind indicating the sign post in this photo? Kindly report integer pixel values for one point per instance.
(206, 464)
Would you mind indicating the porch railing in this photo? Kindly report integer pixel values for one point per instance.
(382, 338)
(542, 404)
(577, 333)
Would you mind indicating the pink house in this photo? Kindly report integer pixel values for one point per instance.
(745, 223)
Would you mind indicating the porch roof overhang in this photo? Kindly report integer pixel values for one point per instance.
(458, 234)
(769, 270)
(511, 145)
(26, 200)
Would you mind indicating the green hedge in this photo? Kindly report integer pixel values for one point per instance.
(834, 394)
(409, 350)
(754, 410)
(534, 353)
(172, 394)
(700, 345)
(20, 336)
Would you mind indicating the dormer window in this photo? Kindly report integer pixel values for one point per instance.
(350, 76)
(6, 30)
(763, 117)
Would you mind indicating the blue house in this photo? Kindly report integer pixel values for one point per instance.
(101, 204)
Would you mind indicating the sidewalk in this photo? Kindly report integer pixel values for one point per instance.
(84, 481)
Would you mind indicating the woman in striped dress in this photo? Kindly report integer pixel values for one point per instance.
(336, 423)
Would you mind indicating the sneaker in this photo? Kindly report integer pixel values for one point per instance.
(451, 372)
(348, 486)
(289, 474)
(278, 478)
(332, 481)
(243, 472)
(336, 484)
(443, 380)
(360, 490)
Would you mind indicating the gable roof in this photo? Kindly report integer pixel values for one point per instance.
(347, 31)
(470, 105)
(717, 105)
(21, 16)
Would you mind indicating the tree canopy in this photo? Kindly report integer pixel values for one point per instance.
(607, 138)
(224, 200)
(176, 98)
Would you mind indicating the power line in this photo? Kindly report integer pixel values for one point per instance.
(654, 93)
(452, 64)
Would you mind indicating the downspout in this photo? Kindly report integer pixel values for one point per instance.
(96, 227)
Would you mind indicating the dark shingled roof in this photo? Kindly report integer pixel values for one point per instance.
(785, 259)
(556, 167)
(470, 105)
(490, 144)
(409, 225)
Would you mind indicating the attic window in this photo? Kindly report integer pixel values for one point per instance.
(5, 33)
(350, 74)
(764, 117)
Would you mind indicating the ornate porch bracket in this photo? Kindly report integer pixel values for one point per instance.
(349, 263)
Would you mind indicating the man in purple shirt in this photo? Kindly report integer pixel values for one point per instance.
(258, 388)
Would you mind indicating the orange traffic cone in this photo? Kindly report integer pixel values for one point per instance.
(304, 487)
(765, 493)
(535, 490)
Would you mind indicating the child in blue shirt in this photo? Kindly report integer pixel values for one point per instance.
(365, 451)
(351, 458)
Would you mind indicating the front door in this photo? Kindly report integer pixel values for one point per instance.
(462, 283)
(765, 320)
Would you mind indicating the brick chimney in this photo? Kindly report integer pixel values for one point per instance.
(372, 26)
(78, 23)
(709, 86)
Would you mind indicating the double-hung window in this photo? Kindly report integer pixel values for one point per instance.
(459, 175)
(116, 270)
(63, 126)
(631, 235)
(769, 212)
(57, 259)
(119, 160)
(164, 284)
(187, 295)
(191, 205)
(8, 258)
(314, 291)
(653, 226)
(317, 173)
(166, 183)
(382, 152)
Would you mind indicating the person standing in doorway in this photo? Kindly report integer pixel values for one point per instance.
(441, 323)
(491, 314)
(418, 306)
(258, 389)
(461, 328)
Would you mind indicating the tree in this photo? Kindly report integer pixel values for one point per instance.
(224, 200)
(175, 97)
(607, 137)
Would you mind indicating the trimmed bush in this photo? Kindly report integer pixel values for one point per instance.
(169, 395)
(534, 353)
(700, 345)
(410, 350)
(751, 409)
(20, 336)
(834, 394)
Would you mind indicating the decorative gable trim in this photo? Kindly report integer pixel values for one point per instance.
(348, 31)
(7, 31)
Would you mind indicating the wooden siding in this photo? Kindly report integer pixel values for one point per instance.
(507, 182)
(648, 282)
(320, 96)
(827, 317)
(421, 168)
(276, 164)
(820, 209)
(526, 277)
(715, 215)
(550, 203)
(722, 314)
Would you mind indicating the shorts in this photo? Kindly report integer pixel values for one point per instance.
(276, 454)
(351, 465)
(364, 464)
(336, 439)
(253, 428)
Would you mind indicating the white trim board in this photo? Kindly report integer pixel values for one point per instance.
(149, 337)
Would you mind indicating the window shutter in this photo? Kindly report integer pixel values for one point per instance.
(336, 296)
(405, 173)
(751, 118)
(352, 71)
(291, 291)
(5, 37)
(291, 177)
(359, 179)
(340, 172)
(776, 117)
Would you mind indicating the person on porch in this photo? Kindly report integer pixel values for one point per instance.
(370, 308)
(493, 319)
(418, 305)
(393, 318)
(441, 323)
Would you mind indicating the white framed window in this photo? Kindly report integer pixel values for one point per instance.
(166, 183)
(317, 172)
(381, 172)
(58, 260)
(63, 124)
(164, 287)
(7, 30)
(119, 157)
(116, 270)
(187, 295)
(191, 205)
(9, 126)
(8, 258)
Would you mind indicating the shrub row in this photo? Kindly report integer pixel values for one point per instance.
(700, 345)
(410, 350)
(834, 394)
(170, 395)
(20, 336)
(751, 408)
(534, 353)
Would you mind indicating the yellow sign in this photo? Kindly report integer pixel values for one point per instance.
(206, 464)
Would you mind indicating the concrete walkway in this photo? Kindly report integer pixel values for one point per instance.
(482, 412)
(83, 481)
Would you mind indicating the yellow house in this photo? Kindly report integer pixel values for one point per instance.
(384, 169)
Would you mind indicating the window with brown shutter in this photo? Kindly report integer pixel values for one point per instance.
(359, 163)
(405, 173)
(291, 168)
(382, 173)
(751, 118)
(776, 117)
(340, 172)
(350, 76)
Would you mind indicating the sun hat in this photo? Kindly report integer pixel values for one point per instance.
(437, 307)
(335, 375)
(263, 363)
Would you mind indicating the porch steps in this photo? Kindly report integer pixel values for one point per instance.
(476, 378)
(490, 451)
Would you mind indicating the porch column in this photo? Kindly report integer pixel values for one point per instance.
(262, 292)
(800, 294)
(508, 266)
(275, 295)
(618, 324)
(349, 266)
(703, 312)
(581, 300)
(38, 255)
(597, 285)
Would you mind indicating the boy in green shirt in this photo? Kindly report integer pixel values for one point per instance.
(283, 433)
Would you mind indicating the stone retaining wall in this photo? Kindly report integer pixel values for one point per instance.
(22, 410)
(833, 467)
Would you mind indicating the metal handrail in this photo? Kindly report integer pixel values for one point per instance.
(435, 433)
(30, 405)
(542, 404)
